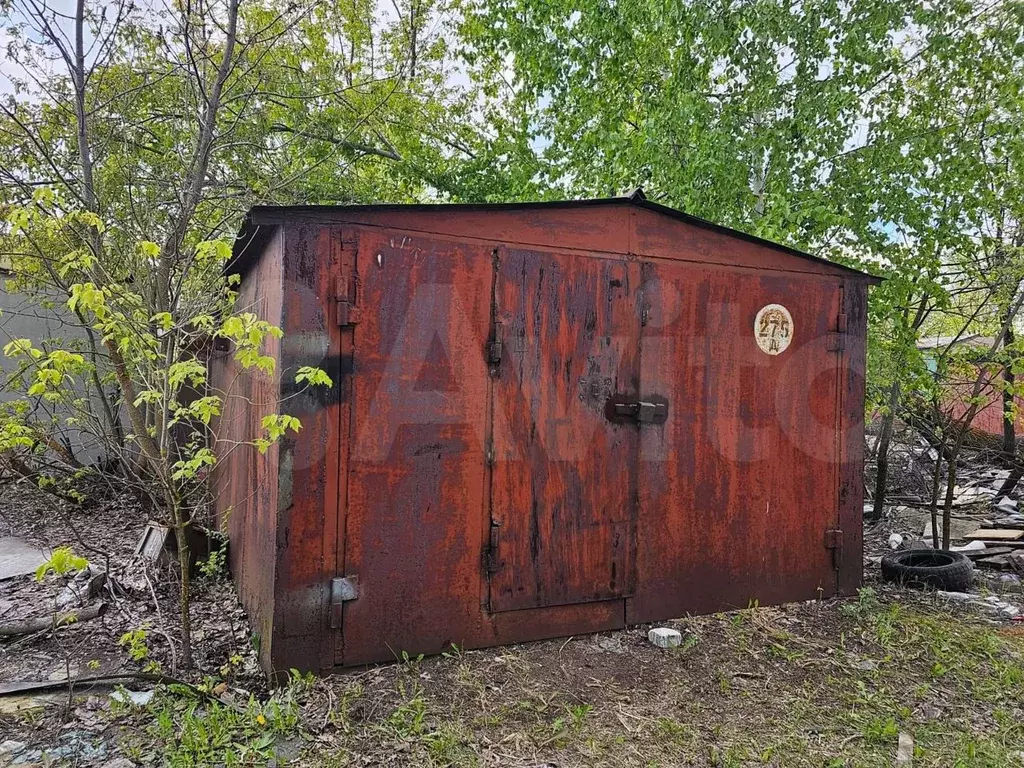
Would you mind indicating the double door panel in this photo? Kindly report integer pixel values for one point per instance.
(480, 486)
(723, 500)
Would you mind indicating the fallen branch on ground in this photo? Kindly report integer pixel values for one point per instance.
(38, 686)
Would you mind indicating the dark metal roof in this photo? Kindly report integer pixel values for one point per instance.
(262, 218)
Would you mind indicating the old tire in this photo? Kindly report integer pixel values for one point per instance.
(950, 571)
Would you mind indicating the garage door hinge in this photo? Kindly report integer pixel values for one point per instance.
(837, 338)
(343, 589)
(834, 542)
(347, 297)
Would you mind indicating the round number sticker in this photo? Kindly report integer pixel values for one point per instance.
(773, 329)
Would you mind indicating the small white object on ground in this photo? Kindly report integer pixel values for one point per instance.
(905, 750)
(663, 637)
(895, 541)
(138, 698)
(972, 546)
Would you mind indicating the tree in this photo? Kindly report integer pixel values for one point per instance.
(134, 140)
(949, 156)
(739, 112)
(881, 134)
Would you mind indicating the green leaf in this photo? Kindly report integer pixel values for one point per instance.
(313, 376)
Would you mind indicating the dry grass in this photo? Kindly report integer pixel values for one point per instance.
(816, 684)
(813, 684)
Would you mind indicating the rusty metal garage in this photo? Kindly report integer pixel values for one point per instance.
(546, 419)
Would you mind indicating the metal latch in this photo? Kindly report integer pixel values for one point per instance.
(834, 541)
(494, 347)
(491, 563)
(621, 409)
(343, 589)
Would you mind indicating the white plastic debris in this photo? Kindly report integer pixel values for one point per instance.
(895, 541)
(1002, 607)
(972, 546)
(1006, 504)
(138, 698)
(663, 637)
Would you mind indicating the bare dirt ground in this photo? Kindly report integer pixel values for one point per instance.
(824, 684)
(106, 533)
(831, 683)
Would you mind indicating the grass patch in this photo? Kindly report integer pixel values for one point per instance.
(821, 685)
(187, 729)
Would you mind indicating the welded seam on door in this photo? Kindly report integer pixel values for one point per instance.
(840, 385)
(488, 545)
(347, 340)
